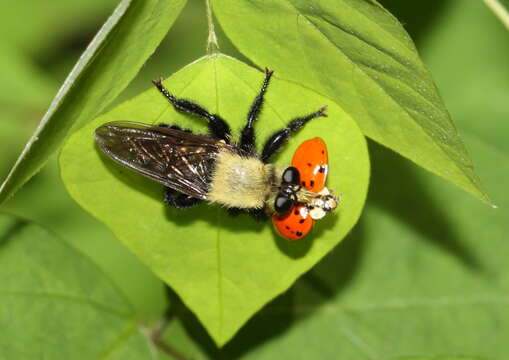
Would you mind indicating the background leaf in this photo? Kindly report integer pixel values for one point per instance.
(499, 10)
(56, 304)
(356, 53)
(202, 253)
(110, 62)
(22, 82)
(443, 357)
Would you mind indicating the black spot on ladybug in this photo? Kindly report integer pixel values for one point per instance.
(298, 233)
(322, 169)
(301, 221)
(309, 164)
(312, 183)
(296, 212)
(303, 183)
(287, 227)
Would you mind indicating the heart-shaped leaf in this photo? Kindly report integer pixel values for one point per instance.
(56, 304)
(358, 54)
(225, 269)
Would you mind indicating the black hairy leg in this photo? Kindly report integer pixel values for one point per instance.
(247, 137)
(257, 214)
(179, 200)
(281, 137)
(217, 126)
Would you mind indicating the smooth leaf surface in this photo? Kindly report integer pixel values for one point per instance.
(499, 10)
(225, 269)
(356, 53)
(56, 304)
(479, 100)
(425, 270)
(439, 358)
(110, 62)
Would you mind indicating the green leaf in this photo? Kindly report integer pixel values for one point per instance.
(499, 10)
(110, 62)
(80, 230)
(56, 304)
(445, 357)
(225, 269)
(479, 100)
(427, 279)
(356, 53)
(425, 270)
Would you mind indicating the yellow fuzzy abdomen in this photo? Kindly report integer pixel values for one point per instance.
(239, 182)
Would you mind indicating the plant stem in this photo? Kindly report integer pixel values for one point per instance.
(499, 10)
(162, 345)
(212, 45)
(157, 332)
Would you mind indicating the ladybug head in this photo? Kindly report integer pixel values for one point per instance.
(288, 189)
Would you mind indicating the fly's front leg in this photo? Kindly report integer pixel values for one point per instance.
(247, 137)
(217, 126)
(281, 137)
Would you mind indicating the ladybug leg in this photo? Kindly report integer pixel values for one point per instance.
(281, 137)
(247, 137)
(217, 126)
(179, 200)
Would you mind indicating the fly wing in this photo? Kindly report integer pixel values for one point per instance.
(174, 158)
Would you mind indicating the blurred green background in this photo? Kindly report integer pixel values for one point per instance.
(463, 43)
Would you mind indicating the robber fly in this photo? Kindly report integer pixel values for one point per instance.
(217, 169)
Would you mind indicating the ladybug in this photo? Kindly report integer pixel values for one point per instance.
(310, 160)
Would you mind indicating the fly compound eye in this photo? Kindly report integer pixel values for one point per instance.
(283, 204)
(291, 176)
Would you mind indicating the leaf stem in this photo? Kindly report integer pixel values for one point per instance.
(212, 45)
(156, 337)
(499, 10)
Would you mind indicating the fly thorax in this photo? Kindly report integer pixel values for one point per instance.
(239, 181)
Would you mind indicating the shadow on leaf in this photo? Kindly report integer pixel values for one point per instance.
(16, 225)
(396, 189)
(416, 16)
